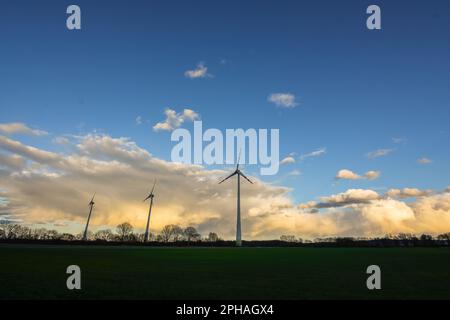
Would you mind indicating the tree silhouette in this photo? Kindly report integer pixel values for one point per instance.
(191, 234)
(171, 232)
(124, 230)
(213, 237)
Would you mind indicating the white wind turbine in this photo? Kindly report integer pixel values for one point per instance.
(91, 205)
(238, 211)
(150, 196)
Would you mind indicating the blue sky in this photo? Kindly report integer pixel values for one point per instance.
(357, 89)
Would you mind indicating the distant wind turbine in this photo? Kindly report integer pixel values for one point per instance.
(238, 213)
(91, 205)
(150, 196)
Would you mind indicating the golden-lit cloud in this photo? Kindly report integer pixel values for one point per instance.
(346, 174)
(287, 160)
(408, 193)
(174, 120)
(20, 128)
(39, 186)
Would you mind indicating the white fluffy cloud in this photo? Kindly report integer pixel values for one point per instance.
(424, 161)
(283, 100)
(372, 175)
(201, 71)
(379, 153)
(287, 160)
(346, 174)
(175, 120)
(42, 186)
(20, 128)
(408, 193)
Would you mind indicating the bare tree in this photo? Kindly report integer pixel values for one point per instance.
(39, 234)
(426, 237)
(167, 233)
(67, 237)
(177, 233)
(124, 230)
(104, 235)
(141, 236)
(288, 238)
(171, 232)
(191, 234)
(52, 235)
(444, 236)
(213, 237)
(8, 229)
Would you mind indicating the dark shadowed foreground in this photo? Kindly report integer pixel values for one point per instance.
(39, 272)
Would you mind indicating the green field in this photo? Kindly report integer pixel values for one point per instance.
(223, 273)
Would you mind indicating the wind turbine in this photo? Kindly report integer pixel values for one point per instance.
(150, 196)
(238, 211)
(91, 205)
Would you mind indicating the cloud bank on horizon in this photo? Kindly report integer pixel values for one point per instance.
(39, 186)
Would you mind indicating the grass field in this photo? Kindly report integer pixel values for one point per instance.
(223, 273)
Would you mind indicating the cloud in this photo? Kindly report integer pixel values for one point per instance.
(31, 153)
(121, 173)
(424, 161)
(316, 153)
(346, 174)
(366, 213)
(200, 72)
(372, 175)
(138, 120)
(175, 120)
(190, 115)
(61, 140)
(399, 140)
(283, 100)
(408, 193)
(288, 160)
(294, 173)
(45, 186)
(379, 153)
(13, 161)
(20, 128)
(351, 196)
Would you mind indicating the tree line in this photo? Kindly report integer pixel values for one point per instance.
(124, 232)
(174, 234)
(389, 240)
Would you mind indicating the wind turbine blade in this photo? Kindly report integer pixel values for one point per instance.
(228, 177)
(154, 184)
(245, 177)
(239, 159)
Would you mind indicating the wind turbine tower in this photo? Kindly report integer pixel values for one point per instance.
(150, 196)
(238, 209)
(91, 206)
